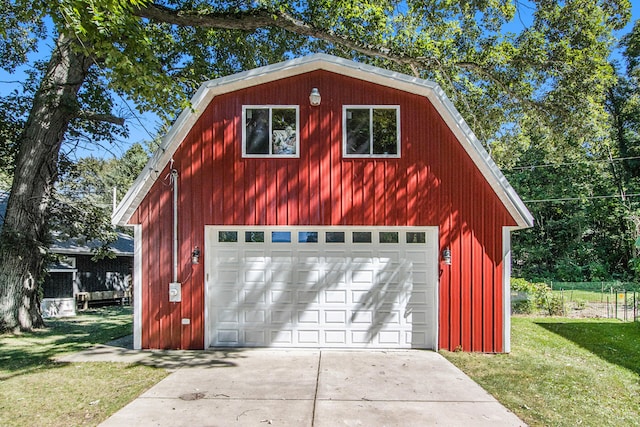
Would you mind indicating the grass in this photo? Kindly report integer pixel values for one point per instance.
(564, 372)
(37, 391)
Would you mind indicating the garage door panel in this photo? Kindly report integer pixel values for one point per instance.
(335, 337)
(231, 258)
(309, 337)
(417, 339)
(334, 277)
(282, 337)
(282, 278)
(335, 316)
(390, 337)
(255, 316)
(281, 317)
(230, 337)
(281, 296)
(335, 296)
(318, 294)
(362, 317)
(416, 318)
(309, 316)
(255, 337)
(255, 296)
(362, 275)
(362, 257)
(228, 316)
(255, 276)
(226, 297)
(228, 277)
(308, 276)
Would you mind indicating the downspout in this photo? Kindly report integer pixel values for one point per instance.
(174, 180)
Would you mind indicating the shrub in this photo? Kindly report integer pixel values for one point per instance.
(554, 305)
(534, 296)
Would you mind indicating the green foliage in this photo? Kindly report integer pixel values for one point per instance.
(13, 110)
(538, 297)
(84, 196)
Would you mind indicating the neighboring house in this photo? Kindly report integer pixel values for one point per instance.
(77, 278)
(321, 203)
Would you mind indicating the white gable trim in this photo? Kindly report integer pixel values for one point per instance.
(430, 90)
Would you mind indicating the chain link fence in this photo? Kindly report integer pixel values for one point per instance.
(616, 300)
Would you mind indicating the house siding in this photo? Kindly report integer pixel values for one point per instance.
(433, 183)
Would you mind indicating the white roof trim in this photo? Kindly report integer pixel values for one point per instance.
(431, 90)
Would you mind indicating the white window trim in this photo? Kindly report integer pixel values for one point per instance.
(269, 156)
(369, 156)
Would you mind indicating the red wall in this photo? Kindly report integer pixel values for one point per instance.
(434, 183)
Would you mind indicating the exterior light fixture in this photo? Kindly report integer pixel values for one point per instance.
(446, 256)
(195, 256)
(314, 97)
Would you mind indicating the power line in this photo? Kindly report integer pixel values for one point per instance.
(571, 199)
(548, 165)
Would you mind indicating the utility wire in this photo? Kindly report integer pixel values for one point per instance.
(570, 199)
(549, 165)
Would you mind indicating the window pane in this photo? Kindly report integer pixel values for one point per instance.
(335, 236)
(227, 236)
(361, 237)
(283, 125)
(254, 236)
(385, 131)
(308, 237)
(416, 237)
(281, 236)
(358, 132)
(388, 237)
(257, 131)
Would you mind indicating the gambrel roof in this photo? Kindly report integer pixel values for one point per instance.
(270, 73)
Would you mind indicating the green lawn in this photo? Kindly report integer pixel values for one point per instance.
(564, 372)
(36, 391)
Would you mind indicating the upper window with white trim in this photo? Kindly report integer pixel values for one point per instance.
(371, 131)
(270, 131)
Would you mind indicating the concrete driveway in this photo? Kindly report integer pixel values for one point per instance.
(305, 388)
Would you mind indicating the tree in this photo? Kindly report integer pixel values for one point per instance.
(496, 79)
(584, 191)
(84, 196)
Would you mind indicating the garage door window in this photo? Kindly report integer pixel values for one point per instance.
(335, 236)
(416, 237)
(254, 236)
(361, 237)
(308, 237)
(389, 237)
(281, 236)
(227, 236)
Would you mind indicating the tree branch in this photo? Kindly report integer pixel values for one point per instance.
(96, 117)
(254, 19)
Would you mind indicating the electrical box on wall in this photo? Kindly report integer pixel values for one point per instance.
(175, 292)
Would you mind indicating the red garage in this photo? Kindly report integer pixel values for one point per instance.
(322, 203)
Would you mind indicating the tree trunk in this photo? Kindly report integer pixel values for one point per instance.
(24, 237)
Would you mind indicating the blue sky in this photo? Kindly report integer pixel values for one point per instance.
(142, 127)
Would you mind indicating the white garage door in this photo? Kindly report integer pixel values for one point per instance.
(321, 287)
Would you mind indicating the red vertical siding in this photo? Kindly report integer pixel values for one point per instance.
(434, 183)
